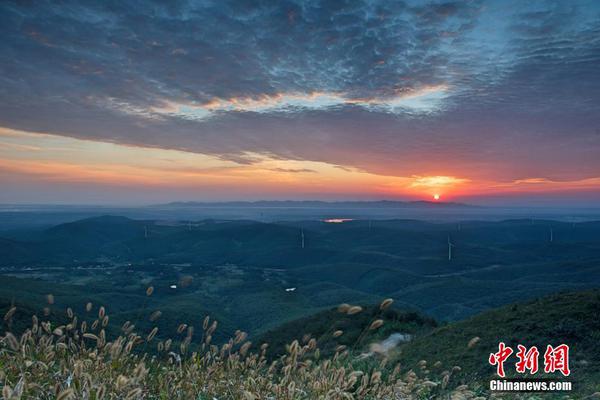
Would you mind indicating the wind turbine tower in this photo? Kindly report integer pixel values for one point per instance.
(302, 235)
(450, 246)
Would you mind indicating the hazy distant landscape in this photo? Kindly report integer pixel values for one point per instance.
(25, 216)
(286, 269)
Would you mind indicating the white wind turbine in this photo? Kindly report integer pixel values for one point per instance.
(450, 246)
(302, 235)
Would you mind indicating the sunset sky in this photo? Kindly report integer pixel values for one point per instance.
(489, 102)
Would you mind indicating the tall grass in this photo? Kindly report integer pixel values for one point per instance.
(78, 360)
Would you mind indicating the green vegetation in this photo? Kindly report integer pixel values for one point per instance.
(80, 359)
(353, 329)
(239, 270)
(571, 318)
(73, 355)
(257, 277)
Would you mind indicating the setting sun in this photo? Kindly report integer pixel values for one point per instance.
(436, 196)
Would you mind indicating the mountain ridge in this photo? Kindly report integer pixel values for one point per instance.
(317, 204)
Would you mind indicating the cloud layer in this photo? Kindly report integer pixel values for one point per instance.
(476, 89)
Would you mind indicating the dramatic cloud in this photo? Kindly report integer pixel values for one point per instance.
(502, 91)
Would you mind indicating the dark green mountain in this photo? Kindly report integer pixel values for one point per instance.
(245, 267)
(355, 333)
(572, 318)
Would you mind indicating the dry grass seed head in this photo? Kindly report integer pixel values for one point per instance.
(473, 342)
(10, 313)
(343, 308)
(385, 304)
(376, 324)
(354, 310)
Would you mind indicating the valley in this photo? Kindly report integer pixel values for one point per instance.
(255, 275)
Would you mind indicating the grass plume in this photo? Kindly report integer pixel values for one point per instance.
(76, 360)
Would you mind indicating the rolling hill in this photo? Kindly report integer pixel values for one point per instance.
(570, 317)
(250, 264)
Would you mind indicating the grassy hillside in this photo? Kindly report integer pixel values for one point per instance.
(87, 357)
(99, 360)
(123, 302)
(571, 318)
(354, 334)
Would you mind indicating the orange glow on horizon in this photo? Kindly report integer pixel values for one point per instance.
(30, 158)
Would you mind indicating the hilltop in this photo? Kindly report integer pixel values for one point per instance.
(438, 362)
(84, 357)
(352, 327)
(571, 318)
